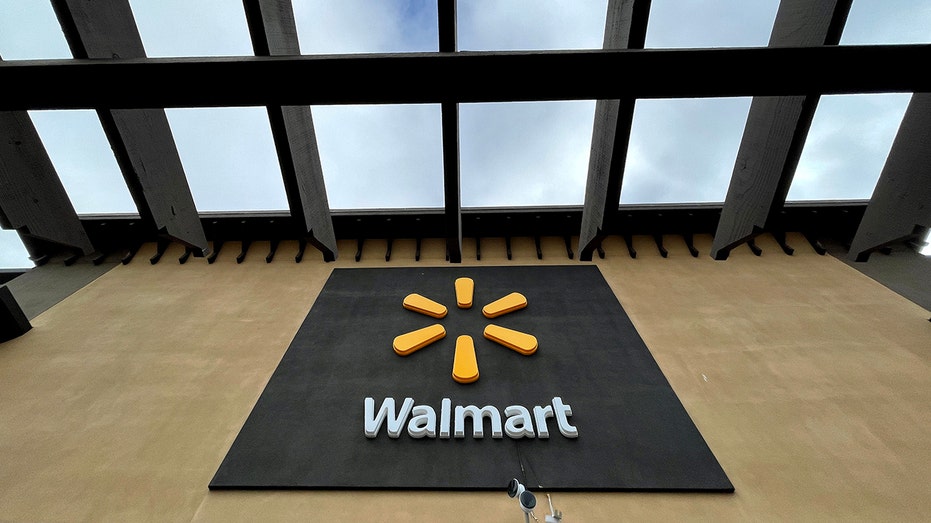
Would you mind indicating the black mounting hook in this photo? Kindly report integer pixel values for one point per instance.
(301, 245)
(630, 246)
(658, 238)
(272, 250)
(245, 249)
(159, 251)
(217, 245)
(780, 238)
(128, 257)
(690, 243)
(184, 257)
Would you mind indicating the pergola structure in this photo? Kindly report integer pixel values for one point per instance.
(786, 79)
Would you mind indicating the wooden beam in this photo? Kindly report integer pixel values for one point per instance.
(452, 202)
(141, 138)
(13, 322)
(901, 202)
(494, 76)
(625, 28)
(274, 33)
(446, 14)
(33, 200)
(776, 130)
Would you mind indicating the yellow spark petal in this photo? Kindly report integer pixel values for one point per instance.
(520, 342)
(413, 341)
(501, 306)
(424, 305)
(465, 364)
(464, 290)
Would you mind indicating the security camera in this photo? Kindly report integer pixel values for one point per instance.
(526, 498)
(527, 501)
(514, 488)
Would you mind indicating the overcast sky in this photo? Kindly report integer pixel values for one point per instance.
(511, 153)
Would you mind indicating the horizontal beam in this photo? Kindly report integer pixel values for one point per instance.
(823, 220)
(463, 77)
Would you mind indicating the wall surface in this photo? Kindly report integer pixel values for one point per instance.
(810, 382)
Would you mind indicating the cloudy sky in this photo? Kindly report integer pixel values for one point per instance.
(511, 153)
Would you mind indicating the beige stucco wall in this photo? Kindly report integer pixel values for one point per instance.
(810, 382)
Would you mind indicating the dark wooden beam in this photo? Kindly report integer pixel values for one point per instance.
(494, 76)
(776, 130)
(13, 322)
(141, 139)
(901, 202)
(33, 200)
(274, 33)
(625, 28)
(446, 14)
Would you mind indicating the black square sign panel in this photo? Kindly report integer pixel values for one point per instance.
(396, 381)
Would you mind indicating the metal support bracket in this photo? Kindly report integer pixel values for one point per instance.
(816, 245)
(658, 238)
(301, 245)
(128, 257)
(71, 260)
(271, 252)
(245, 249)
(217, 245)
(184, 257)
(630, 246)
(159, 251)
(781, 240)
(690, 243)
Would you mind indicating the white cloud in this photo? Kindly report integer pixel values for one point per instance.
(847, 146)
(526, 24)
(525, 153)
(13, 254)
(385, 156)
(710, 23)
(192, 28)
(683, 150)
(30, 31)
(84, 161)
(360, 26)
(888, 22)
(229, 158)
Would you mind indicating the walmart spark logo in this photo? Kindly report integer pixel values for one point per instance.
(465, 363)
